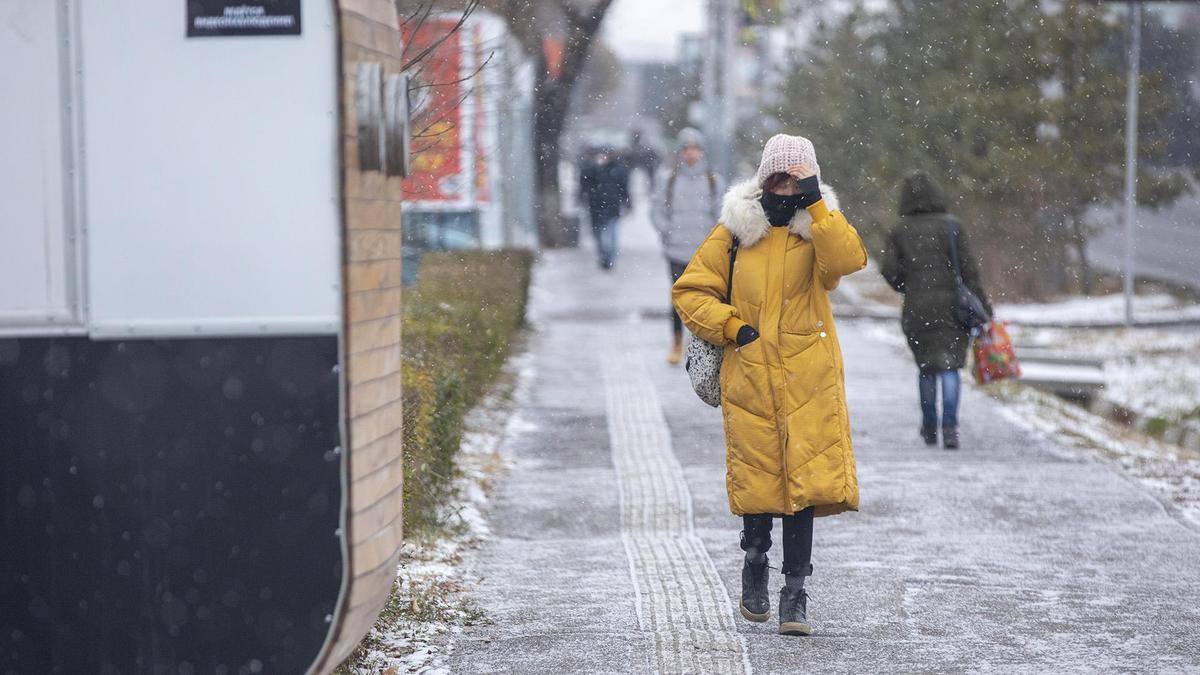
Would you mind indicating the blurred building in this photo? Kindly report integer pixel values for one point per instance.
(471, 184)
(731, 72)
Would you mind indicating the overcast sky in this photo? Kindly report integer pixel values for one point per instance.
(649, 29)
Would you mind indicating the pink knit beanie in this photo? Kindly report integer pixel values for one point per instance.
(784, 151)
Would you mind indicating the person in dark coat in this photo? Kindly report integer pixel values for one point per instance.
(605, 186)
(917, 263)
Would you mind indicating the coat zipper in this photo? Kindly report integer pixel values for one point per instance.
(789, 501)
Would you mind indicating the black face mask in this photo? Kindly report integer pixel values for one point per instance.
(780, 208)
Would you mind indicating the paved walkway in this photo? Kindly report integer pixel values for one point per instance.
(614, 550)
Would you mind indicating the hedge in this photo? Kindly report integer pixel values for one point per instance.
(460, 321)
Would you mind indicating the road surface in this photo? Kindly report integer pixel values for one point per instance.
(1167, 242)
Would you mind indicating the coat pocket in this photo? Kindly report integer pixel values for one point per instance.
(813, 395)
(746, 379)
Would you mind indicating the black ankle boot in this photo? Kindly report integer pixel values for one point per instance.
(929, 434)
(950, 438)
(793, 608)
(756, 602)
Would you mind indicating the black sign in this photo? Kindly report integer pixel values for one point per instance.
(211, 18)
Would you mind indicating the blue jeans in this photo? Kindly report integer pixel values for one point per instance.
(605, 232)
(928, 385)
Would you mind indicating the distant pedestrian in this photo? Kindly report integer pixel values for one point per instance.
(605, 186)
(641, 156)
(685, 210)
(787, 430)
(918, 264)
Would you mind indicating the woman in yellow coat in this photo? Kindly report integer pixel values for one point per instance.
(787, 430)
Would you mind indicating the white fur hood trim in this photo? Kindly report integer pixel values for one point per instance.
(742, 214)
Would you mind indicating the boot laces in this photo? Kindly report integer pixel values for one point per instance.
(758, 571)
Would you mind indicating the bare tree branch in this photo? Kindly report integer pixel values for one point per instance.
(438, 117)
(460, 80)
(424, 16)
(472, 5)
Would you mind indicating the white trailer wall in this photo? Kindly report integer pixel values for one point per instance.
(211, 174)
(37, 257)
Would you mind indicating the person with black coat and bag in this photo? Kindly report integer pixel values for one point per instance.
(929, 260)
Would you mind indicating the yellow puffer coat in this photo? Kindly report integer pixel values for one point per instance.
(787, 429)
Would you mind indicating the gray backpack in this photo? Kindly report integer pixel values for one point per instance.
(704, 359)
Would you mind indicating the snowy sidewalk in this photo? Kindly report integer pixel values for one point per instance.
(614, 550)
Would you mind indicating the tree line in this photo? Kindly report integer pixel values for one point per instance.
(1017, 106)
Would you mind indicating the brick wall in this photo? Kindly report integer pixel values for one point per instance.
(371, 201)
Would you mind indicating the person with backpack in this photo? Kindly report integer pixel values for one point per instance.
(759, 287)
(929, 261)
(685, 209)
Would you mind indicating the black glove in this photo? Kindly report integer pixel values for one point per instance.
(746, 335)
(810, 191)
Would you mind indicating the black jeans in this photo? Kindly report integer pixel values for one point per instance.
(677, 269)
(797, 539)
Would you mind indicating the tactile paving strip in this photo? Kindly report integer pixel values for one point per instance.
(681, 598)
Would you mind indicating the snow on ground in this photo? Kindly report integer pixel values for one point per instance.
(1170, 473)
(424, 612)
(429, 604)
(867, 291)
(887, 332)
(1103, 309)
(1153, 371)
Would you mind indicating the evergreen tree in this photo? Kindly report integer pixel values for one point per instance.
(1018, 108)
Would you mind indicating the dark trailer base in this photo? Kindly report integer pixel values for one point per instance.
(168, 502)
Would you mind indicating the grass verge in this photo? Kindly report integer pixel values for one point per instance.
(460, 323)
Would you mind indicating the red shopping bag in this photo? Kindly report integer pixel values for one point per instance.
(995, 358)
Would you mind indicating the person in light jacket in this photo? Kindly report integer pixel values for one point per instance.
(917, 263)
(787, 429)
(685, 209)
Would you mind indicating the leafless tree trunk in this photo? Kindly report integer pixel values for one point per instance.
(552, 95)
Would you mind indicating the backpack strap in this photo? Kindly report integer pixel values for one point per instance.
(733, 251)
(671, 187)
(954, 250)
